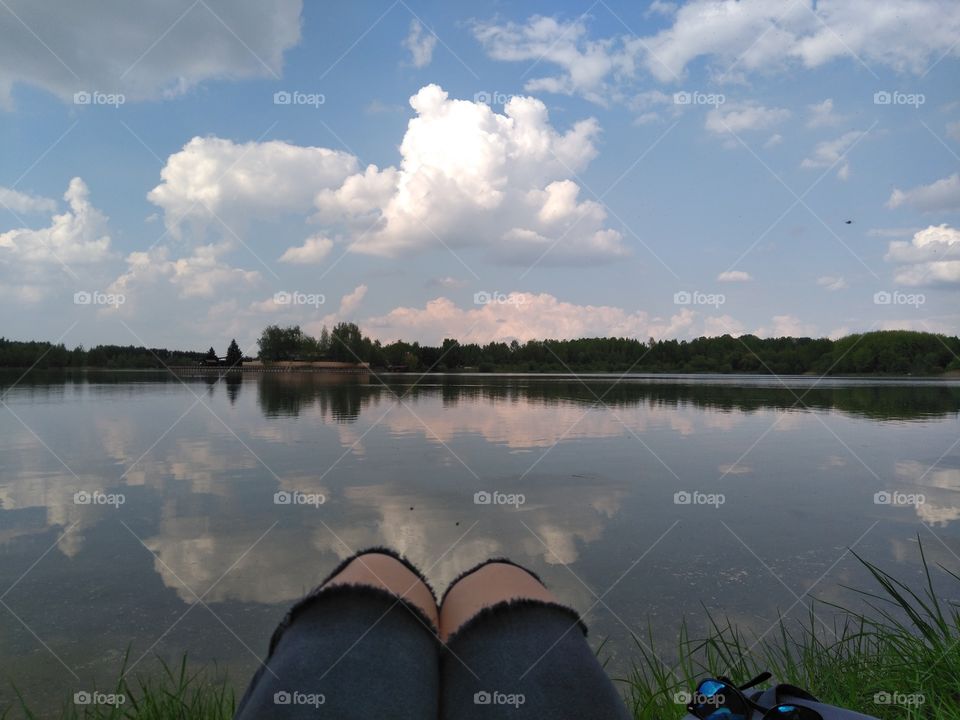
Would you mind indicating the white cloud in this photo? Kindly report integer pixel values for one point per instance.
(786, 326)
(940, 196)
(770, 36)
(649, 104)
(351, 301)
(359, 200)
(734, 276)
(526, 316)
(735, 38)
(741, 117)
(833, 152)
(345, 312)
(717, 325)
(586, 65)
(313, 251)
(659, 7)
(271, 306)
(420, 43)
(832, 282)
(932, 257)
(472, 177)
(23, 203)
(773, 141)
(646, 118)
(654, 105)
(145, 51)
(202, 274)
(725, 32)
(215, 178)
(77, 236)
(822, 115)
(468, 176)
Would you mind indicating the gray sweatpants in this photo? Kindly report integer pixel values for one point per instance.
(349, 652)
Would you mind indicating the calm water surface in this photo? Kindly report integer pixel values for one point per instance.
(200, 558)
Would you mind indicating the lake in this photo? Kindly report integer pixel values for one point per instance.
(144, 513)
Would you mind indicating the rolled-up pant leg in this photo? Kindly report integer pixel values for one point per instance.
(348, 652)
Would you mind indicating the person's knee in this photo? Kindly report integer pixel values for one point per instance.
(493, 583)
(386, 572)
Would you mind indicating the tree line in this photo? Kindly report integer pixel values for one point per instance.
(894, 352)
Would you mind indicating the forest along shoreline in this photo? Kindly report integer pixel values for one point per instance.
(881, 353)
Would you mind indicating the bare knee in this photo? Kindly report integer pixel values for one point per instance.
(493, 583)
(388, 573)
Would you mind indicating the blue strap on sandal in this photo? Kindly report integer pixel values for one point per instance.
(721, 699)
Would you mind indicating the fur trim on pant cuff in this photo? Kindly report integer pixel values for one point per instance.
(356, 591)
(378, 550)
(508, 605)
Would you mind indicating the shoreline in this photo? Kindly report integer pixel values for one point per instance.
(949, 376)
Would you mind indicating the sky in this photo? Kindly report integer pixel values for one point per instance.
(181, 173)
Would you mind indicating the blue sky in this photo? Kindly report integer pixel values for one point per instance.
(491, 171)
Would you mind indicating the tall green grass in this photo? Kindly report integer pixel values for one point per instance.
(907, 644)
(174, 693)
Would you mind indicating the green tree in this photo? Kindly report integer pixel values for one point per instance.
(281, 343)
(346, 343)
(450, 353)
(211, 355)
(410, 360)
(234, 356)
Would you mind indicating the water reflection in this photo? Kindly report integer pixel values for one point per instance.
(598, 481)
(337, 396)
(233, 383)
(881, 400)
(344, 397)
(940, 488)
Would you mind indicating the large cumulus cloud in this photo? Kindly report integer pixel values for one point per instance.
(468, 177)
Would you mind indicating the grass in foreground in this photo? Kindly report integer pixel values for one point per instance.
(173, 694)
(908, 648)
(902, 661)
